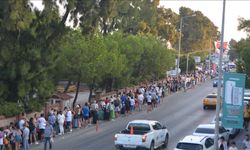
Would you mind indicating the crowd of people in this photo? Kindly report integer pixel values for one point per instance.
(42, 129)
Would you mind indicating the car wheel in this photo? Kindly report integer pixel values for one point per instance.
(204, 107)
(165, 143)
(152, 145)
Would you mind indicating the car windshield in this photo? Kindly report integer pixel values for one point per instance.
(204, 130)
(189, 146)
(211, 96)
(139, 126)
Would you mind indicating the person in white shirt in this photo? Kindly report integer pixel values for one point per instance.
(233, 146)
(61, 119)
(246, 143)
(25, 136)
(140, 101)
(132, 103)
(41, 125)
(69, 120)
(222, 144)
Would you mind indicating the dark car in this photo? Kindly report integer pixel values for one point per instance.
(216, 81)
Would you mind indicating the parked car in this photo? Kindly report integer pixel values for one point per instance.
(233, 132)
(210, 101)
(146, 134)
(208, 130)
(247, 96)
(216, 81)
(195, 142)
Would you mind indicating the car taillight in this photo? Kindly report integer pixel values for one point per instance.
(144, 137)
(115, 137)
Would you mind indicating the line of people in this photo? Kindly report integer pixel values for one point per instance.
(42, 129)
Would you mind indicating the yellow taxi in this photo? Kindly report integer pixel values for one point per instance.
(210, 101)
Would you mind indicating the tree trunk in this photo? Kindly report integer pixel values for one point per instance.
(76, 95)
(91, 88)
(67, 86)
(90, 93)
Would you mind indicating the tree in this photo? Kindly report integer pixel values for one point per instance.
(28, 40)
(233, 55)
(197, 31)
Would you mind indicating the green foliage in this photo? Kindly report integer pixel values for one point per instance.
(197, 31)
(9, 109)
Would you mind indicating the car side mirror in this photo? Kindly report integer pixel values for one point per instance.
(164, 127)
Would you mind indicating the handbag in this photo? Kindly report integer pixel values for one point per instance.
(6, 141)
(52, 140)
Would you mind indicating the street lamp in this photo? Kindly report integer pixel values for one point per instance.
(179, 51)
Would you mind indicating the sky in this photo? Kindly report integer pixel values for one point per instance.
(213, 10)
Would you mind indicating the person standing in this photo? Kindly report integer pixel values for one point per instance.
(69, 120)
(222, 144)
(41, 125)
(18, 138)
(61, 119)
(233, 146)
(26, 133)
(85, 114)
(1, 139)
(48, 133)
(32, 128)
(140, 101)
(246, 116)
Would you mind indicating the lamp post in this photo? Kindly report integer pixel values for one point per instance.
(220, 76)
(179, 50)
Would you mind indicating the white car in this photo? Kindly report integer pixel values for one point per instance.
(233, 132)
(195, 142)
(209, 129)
(146, 134)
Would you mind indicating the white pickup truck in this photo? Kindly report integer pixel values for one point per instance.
(145, 134)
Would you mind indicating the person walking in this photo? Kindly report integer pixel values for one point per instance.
(48, 135)
(26, 133)
(233, 146)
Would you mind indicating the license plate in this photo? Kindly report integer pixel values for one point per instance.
(129, 146)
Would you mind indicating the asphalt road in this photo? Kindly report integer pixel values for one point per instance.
(180, 112)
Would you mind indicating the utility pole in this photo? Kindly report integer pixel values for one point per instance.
(210, 49)
(187, 63)
(179, 50)
(220, 77)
